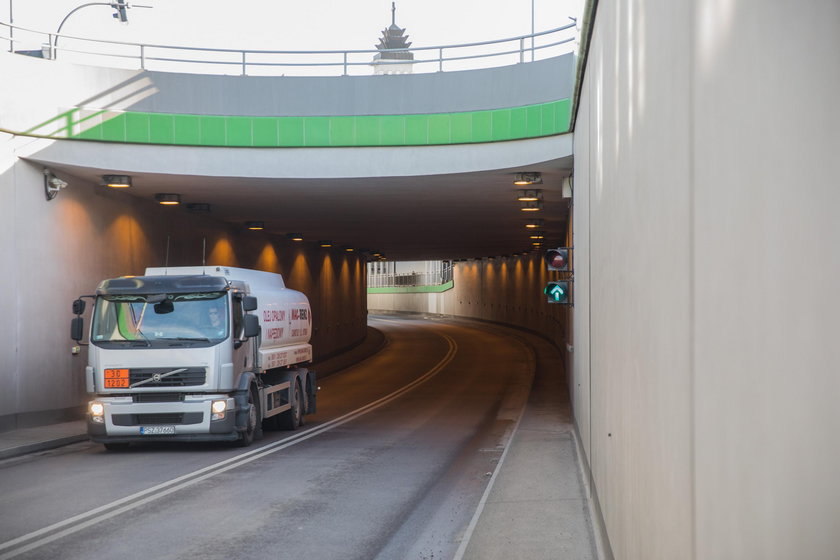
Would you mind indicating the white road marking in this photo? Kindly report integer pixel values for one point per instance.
(118, 507)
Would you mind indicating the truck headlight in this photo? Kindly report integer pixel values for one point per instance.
(218, 409)
(97, 412)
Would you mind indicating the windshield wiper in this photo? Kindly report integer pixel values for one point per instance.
(194, 339)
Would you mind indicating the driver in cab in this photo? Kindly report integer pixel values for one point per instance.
(215, 325)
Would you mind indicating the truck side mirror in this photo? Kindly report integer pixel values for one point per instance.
(77, 327)
(78, 307)
(249, 303)
(252, 326)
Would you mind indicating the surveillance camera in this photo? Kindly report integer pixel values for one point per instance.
(52, 184)
(57, 183)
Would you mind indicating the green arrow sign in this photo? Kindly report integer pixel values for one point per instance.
(557, 292)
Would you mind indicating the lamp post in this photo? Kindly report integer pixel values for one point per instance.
(532, 30)
(119, 5)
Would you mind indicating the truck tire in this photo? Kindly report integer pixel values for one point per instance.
(293, 418)
(253, 430)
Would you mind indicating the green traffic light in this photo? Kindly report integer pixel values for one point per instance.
(557, 292)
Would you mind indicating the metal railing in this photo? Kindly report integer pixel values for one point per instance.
(395, 280)
(468, 56)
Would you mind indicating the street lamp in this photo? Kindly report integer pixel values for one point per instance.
(119, 5)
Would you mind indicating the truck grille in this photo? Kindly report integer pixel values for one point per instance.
(190, 376)
(170, 418)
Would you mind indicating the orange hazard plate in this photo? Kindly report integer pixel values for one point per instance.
(116, 378)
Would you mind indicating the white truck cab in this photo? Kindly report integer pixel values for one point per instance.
(196, 354)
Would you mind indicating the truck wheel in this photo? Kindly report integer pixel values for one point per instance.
(253, 429)
(293, 418)
(116, 446)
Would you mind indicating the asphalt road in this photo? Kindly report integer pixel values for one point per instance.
(392, 466)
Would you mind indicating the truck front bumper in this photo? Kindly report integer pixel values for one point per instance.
(189, 420)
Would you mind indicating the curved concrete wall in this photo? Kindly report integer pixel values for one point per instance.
(503, 290)
(514, 102)
(400, 94)
(705, 326)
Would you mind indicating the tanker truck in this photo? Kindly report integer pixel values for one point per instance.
(198, 353)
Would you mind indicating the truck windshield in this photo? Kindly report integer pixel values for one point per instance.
(160, 320)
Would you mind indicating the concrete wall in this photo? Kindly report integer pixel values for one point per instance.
(705, 364)
(505, 290)
(54, 251)
(53, 87)
(493, 88)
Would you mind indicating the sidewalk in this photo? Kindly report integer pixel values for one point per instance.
(536, 507)
(14, 443)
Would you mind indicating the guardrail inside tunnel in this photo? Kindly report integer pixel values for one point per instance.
(167, 58)
(410, 274)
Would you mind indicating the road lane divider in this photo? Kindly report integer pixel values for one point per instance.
(35, 539)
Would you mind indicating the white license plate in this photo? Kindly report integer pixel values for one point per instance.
(157, 430)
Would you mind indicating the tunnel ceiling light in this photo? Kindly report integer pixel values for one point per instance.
(534, 223)
(168, 199)
(117, 181)
(199, 208)
(528, 178)
(530, 195)
(294, 236)
(538, 234)
(255, 226)
(348, 248)
(532, 206)
(325, 243)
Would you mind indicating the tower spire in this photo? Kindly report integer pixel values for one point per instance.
(394, 56)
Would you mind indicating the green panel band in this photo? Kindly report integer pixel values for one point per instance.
(531, 121)
(412, 289)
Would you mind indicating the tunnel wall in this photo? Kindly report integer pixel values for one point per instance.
(52, 252)
(706, 270)
(504, 290)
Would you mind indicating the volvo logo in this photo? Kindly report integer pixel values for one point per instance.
(157, 377)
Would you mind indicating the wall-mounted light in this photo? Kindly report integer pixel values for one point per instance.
(530, 195)
(532, 206)
(534, 223)
(294, 236)
(325, 243)
(52, 184)
(168, 199)
(528, 178)
(199, 208)
(116, 181)
(255, 226)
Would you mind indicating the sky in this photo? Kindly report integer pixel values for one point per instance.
(299, 25)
